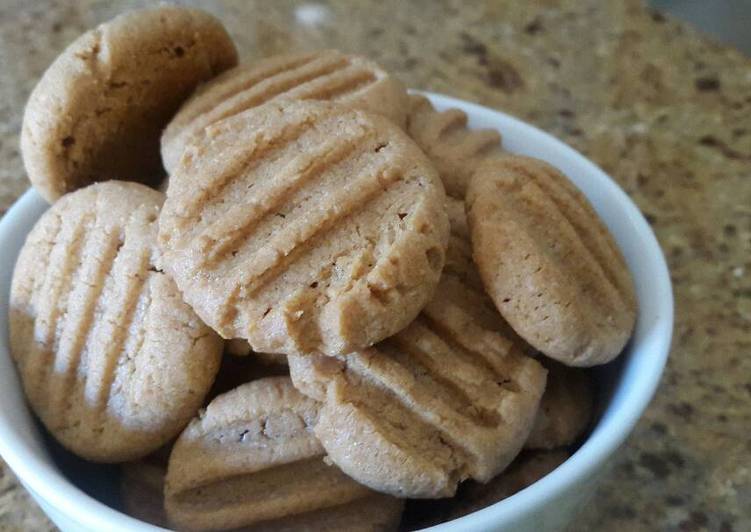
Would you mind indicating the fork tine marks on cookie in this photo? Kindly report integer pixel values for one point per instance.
(318, 218)
(257, 148)
(100, 244)
(418, 396)
(455, 149)
(548, 262)
(399, 406)
(324, 75)
(99, 255)
(273, 194)
(340, 85)
(252, 460)
(234, 81)
(131, 268)
(282, 83)
(571, 203)
(242, 249)
(64, 261)
(450, 397)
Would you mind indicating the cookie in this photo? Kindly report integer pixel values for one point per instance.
(455, 150)
(251, 459)
(241, 348)
(549, 263)
(98, 111)
(448, 398)
(237, 348)
(376, 512)
(237, 370)
(565, 409)
(348, 79)
(142, 491)
(112, 360)
(305, 227)
(525, 471)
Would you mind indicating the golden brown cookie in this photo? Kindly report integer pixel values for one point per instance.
(112, 360)
(374, 513)
(99, 109)
(565, 409)
(549, 263)
(455, 150)
(251, 459)
(237, 370)
(448, 398)
(305, 226)
(348, 79)
(237, 348)
(142, 490)
(241, 348)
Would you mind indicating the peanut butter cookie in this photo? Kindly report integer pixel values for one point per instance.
(351, 80)
(304, 227)
(454, 149)
(99, 109)
(142, 490)
(251, 459)
(450, 397)
(112, 360)
(548, 261)
(565, 409)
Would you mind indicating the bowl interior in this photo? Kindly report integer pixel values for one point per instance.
(626, 385)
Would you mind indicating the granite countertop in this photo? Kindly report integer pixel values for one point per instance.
(662, 109)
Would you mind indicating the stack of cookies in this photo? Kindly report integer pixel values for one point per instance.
(287, 294)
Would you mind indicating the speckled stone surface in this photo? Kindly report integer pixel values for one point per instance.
(663, 110)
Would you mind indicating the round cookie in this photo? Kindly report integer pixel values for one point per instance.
(548, 262)
(251, 459)
(450, 397)
(455, 150)
(303, 227)
(112, 360)
(98, 111)
(565, 409)
(348, 79)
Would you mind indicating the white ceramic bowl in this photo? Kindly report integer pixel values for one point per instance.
(627, 385)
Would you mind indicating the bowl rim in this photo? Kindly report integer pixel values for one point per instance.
(44, 481)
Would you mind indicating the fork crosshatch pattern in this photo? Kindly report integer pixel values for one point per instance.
(662, 109)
